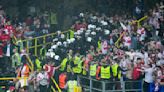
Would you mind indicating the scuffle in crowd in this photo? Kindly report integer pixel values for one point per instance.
(88, 49)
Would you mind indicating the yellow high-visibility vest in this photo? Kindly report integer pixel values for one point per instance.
(70, 34)
(63, 64)
(99, 44)
(71, 85)
(114, 70)
(93, 70)
(78, 68)
(105, 72)
(38, 64)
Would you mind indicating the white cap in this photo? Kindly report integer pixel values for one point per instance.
(111, 20)
(106, 32)
(59, 44)
(78, 37)
(59, 32)
(54, 47)
(72, 40)
(48, 54)
(89, 39)
(78, 32)
(62, 36)
(98, 28)
(81, 14)
(93, 26)
(56, 57)
(82, 29)
(52, 54)
(87, 33)
(56, 39)
(64, 42)
(75, 33)
(50, 50)
(68, 40)
(104, 23)
(93, 33)
(90, 26)
(94, 17)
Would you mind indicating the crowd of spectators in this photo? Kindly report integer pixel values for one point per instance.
(91, 40)
(140, 55)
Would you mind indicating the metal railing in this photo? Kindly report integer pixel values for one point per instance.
(93, 85)
(38, 42)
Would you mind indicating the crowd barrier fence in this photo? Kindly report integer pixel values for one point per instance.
(93, 85)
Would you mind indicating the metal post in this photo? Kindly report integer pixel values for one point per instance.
(103, 86)
(35, 46)
(27, 45)
(90, 86)
(122, 84)
(78, 80)
(44, 40)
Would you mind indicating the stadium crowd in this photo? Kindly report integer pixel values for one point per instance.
(88, 49)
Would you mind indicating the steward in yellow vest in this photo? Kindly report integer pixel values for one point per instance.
(70, 34)
(93, 68)
(64, 64)
(77, 65)
(105, 71)
(38, 64)
(116, 71)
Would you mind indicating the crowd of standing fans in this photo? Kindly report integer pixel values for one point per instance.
(88, 49)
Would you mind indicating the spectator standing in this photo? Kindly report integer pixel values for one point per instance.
(43, 81)
(8, 52)
(148, 77)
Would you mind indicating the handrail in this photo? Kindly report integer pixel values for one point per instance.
(32, 65)
(138, 25)
(104, 83)
(12, 78)
(53, 89)
(36, 39)
(46, 35)
(138, 21)
(53, 80)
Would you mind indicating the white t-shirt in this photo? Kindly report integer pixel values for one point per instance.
(42, 78)
(8, 50)
(149, 75)
(146, 57)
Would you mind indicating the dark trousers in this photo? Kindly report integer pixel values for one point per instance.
(146, 87)
(43, 88)
(5, 62)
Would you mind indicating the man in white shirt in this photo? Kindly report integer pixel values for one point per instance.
(148, 70)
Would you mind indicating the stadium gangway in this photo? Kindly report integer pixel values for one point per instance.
(93, 85)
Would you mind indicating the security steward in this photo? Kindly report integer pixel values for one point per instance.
(62, 81)
(93, 68)
(77, 65)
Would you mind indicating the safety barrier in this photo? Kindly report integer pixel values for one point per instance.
(138, 21)
(93, 85)
(31, 65)
(38, 42)
(53, 80)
